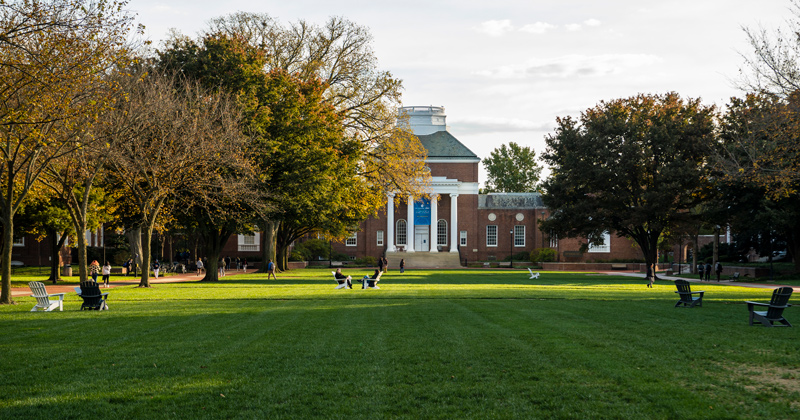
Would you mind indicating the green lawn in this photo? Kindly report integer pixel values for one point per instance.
(428, 344)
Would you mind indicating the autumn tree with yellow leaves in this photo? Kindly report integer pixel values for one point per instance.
(54, 59)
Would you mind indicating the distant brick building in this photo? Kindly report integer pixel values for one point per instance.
(459, 224)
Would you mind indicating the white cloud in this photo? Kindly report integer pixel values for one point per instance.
(573, 27)
(571, 66)
(477, 125)
(537, 28)
(591, 22)
(496, 27)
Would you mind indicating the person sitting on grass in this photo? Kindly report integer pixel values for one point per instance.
(372, 281)
(341, 278)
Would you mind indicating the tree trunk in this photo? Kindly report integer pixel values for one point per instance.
(715, 255)
(81, 239)
(134, 236)
(281, 257)
(55, 251)
(144, 280)
(5, 259)
(695, 250)
(269, 241)
(215, 243)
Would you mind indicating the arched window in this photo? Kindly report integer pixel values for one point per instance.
(401, 232)
(441, 232)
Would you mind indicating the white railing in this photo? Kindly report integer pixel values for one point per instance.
(248, 248)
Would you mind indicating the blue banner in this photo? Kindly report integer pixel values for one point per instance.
(422, 212)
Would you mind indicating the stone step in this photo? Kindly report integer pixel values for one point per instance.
(424, 259)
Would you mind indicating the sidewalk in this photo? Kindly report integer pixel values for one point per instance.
(119, 280)
(698, 281)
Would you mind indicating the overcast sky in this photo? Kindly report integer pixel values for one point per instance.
(505, 69)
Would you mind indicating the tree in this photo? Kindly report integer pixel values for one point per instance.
(633, 166)
(54, 56)
(773, 65)
(511, 169)
(174, 139)
(758, 169)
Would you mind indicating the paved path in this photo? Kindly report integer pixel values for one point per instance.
(691, 280)
(116, 281)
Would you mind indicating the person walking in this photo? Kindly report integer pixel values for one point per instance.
(222, 267)
(199, 266)
(708, 271)
(94, 269)
(402, 265)
(106, 273)
(718, 269)
(380, 264)
(156, 267)
(244, 265)
(649, 276)
(700, 269)
(385, 264)
(271, 270)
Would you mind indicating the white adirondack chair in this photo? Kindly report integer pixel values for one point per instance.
(533, 275)
(43, 300)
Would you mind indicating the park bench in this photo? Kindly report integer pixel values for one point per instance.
(734, 276)
(619, 266)
(687, 295)
(504, 264)
(93, 299)
(43, 300)
(775, 307)
(572, 255)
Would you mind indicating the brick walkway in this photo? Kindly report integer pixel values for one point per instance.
(116, 281)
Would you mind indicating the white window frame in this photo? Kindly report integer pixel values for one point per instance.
(19, 241)
(491, 235)
(606, 247)
(249, 243)
(401, 228)
(553, 240)
(441, 232)
(519, 236)
(463, 238)
(352, 240)
(380, 237)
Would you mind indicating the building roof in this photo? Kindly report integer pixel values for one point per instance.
(510, 201)
(442, 145)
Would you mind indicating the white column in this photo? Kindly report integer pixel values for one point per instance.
(434, 223)
(410, 225)
(390, 224)
(453, 222)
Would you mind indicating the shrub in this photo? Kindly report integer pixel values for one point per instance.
(313, 249)
(543, 255)
(367, 261)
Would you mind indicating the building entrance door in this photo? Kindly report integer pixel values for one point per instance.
(421, 238)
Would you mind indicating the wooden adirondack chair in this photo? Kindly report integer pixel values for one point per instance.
(775, 307)
(687, 295)
(533, 275)
(92, 297)
(43, 300)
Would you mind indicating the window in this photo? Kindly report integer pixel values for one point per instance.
(553, 240)
(463, 237)
(352, 240)
(19, 241)
(519, 235)
(249, 243)
(401, 232)
(491, 235)
(380, 238)
(605, 247)
(441, 232)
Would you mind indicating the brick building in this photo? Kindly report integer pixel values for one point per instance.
(458, 225)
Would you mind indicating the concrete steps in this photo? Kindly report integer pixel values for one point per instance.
(424, 259)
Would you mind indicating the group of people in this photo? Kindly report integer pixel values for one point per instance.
(94, 270)
(223, 265)
(367, 282)
(705, 270)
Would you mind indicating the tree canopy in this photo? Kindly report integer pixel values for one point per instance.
(634, 166)
(512, 168)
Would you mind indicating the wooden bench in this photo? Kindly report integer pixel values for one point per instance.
(572, 255)
(504, 264)
(619, 266)
(734, 276)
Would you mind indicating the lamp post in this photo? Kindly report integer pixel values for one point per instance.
(330, 253)
(511, 250)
